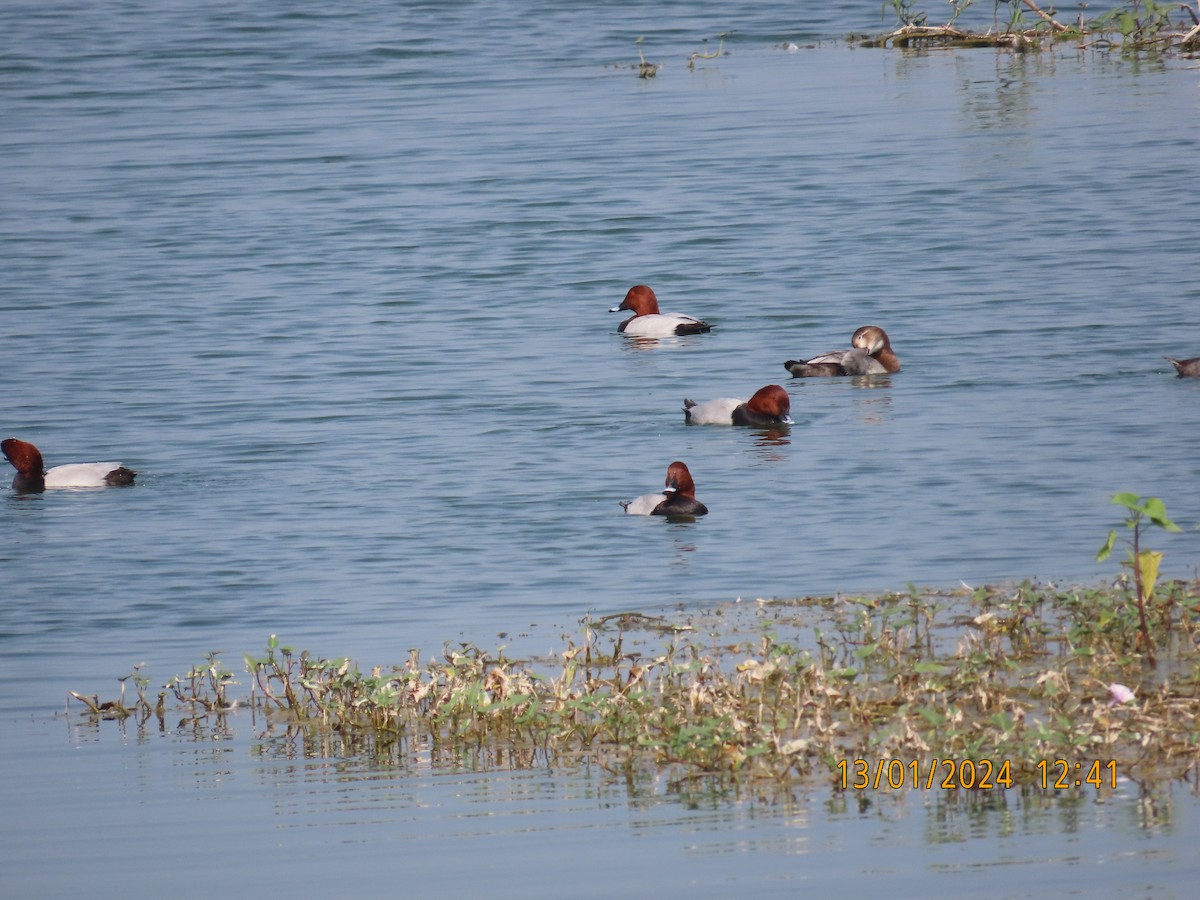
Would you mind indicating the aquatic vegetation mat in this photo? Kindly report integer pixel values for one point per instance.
(999, 686)
(1138, 26)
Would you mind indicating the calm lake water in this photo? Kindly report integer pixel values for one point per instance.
(335, 281)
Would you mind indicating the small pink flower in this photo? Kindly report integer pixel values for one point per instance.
(1120, 694)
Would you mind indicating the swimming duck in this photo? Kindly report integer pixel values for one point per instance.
(870, 353)
(680, 497)
(1185, 368)
(770, 405)
(32, 476)
(647, 321)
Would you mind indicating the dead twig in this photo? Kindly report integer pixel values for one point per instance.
(1046, 17)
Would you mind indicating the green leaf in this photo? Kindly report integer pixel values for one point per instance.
(1156, 512)
(1129, 501)
(866, 650)
(1103, 552)
(932, 716)
(930, 668)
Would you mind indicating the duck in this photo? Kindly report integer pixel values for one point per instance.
(769, 406)
(647, 321)
(1185, 368)
(32, 475)
(677, 499)
(870, 353)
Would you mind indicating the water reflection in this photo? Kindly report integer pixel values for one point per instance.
(775, 436)
(769, 443)
(1004, 102)
(873, 409)
(629, 343)
(332, 753)
(394, 755)
(870, 382)
(682, 542)
(312, 787)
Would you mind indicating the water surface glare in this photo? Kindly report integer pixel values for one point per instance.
(336, 281)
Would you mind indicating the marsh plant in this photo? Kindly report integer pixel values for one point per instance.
(1017, 679)
(1136, 26)
(117, 709)
(908, 14)
(1142, 21)
(645, 69)
(776, 692)
(1143, 564)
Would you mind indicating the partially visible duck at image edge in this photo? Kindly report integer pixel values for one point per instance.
(870, 353)
(647, 321)
(769, 406)
(32, 475)
(1185, 368)
(677, 499)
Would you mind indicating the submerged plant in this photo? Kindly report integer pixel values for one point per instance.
(1143, 563)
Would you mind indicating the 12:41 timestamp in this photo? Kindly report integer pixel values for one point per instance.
(949, 774)
(1059, 774)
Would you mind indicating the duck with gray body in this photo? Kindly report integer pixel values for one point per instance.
(870, 353)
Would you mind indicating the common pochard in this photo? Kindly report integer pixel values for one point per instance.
(647, 321)
(1186, 368)
(770, 405)
(32, 475)
(870, 353)
(677, 499)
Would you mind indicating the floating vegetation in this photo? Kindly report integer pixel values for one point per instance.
(1030, 685)
(645, 69)
(716, 54)
(1136, 26)
(992, 687)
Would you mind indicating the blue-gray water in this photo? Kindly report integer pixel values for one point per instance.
(334, 279)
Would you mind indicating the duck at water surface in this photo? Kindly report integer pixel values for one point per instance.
(647, 321)
(677, 499)
(769, 406)
(870, 353)
(1185, 368)
(32, 475)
